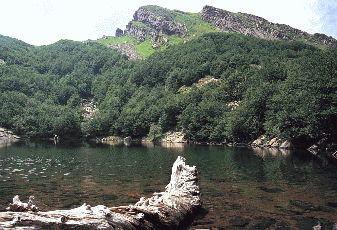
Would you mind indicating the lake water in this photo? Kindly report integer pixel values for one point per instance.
(241, 188)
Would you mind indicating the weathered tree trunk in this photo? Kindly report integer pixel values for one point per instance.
(175, 208)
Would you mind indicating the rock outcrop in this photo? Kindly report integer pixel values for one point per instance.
(89, 110)
(159, 21)
(152, 22)
(119, 32)
(264, 142)
(255, 26)
(156, 24)
(7, 135)
(127, 49)
(174, 137)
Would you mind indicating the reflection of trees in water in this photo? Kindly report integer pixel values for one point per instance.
(274, 166)
(283, 164)
(293, 166)
(262, 152)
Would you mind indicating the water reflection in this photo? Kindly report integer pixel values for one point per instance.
(251, 188)
(7, 142)
(177, 147)
(262, 152)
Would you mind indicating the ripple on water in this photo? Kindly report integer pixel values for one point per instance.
(229, 207)
(31, 170)
(17, 170)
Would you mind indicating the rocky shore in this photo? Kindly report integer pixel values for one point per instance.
(263, 141)
(326, 145)
(174, 137)
(7, 137)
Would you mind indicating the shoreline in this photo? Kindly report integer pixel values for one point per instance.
(314, 146)
(7, 137)
(6, 134)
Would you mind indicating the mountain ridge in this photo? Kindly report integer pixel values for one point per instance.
(259, 27)
(160, 26)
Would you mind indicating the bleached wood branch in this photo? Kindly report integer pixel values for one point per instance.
(175, 208)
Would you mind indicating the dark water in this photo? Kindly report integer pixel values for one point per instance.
(241, 188)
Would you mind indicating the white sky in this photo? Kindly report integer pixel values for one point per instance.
(41, 22)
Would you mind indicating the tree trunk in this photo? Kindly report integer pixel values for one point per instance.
(175, 208)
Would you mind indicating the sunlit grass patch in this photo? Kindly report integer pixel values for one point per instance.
(113, 40)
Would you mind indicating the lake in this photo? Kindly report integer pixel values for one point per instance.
(241, 187)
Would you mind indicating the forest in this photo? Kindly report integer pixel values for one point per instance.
(219, 87)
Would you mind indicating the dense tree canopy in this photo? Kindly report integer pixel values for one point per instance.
(43, 87)
(220, 86)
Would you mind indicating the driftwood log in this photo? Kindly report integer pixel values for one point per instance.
(175, 208)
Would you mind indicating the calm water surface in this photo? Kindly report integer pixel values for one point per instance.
(242, 188)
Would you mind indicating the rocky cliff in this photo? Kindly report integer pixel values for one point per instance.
(160, 26)
(153, 22)
(255, 26)
(160, 21)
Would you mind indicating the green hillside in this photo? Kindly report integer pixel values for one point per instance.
(161, 27)
(217, 87)
(270, 82)
(195, 28)
(42, 88)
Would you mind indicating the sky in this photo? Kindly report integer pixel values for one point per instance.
(43, 22)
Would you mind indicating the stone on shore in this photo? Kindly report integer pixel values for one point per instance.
(174, 137)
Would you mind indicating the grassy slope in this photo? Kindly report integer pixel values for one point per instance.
(120, 40)
(195, 28)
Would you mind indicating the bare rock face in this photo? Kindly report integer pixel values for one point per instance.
(119, 32)
(138, 32)
(7, 135)
(259, 142)
(159, 22)
(325, 39)
(127, 49)
(245, 24)
(286, 145)
(255, 26)
(174, 137)
(156, 25)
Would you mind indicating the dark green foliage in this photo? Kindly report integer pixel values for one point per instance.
(203, 112)
(245, 123)
(11, 104)
(306, 102)
(248, 87)
(41, 88)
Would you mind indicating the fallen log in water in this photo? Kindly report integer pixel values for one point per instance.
(175, 208)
